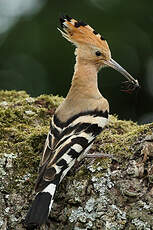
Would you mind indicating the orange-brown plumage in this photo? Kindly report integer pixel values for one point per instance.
(83, 34)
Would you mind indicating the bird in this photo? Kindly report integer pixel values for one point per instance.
(78, 120)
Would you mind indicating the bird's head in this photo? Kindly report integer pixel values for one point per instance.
(91, 46)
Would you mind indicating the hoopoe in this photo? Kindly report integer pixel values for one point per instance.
(78, 120)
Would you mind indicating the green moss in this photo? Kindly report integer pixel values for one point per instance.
(24, 123)
(12, 96)
(120, 137)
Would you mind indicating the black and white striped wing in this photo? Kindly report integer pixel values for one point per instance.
(51, 140)
(72, 139)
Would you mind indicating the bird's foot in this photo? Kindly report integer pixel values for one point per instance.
(98, 155)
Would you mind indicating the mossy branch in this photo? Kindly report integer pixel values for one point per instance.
(106, 193)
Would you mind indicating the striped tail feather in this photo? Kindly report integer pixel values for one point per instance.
(41, 206)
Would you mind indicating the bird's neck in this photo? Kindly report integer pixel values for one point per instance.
(84, 81)
(83, 94)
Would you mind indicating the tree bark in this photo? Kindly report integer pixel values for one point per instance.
(112, 192)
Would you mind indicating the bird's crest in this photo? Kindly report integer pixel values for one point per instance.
(80, 33)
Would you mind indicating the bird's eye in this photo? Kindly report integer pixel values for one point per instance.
(98, 53)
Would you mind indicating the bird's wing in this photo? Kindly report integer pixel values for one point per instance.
(51, 140)
(74, 138)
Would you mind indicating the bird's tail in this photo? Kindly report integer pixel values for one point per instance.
(41, 206)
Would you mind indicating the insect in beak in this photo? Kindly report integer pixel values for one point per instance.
(129, 87)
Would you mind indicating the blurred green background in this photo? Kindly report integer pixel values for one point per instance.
(34, 57)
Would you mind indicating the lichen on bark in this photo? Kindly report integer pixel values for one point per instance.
(113, 192)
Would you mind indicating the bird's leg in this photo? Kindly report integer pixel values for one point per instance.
(93, 156)
(98, 155)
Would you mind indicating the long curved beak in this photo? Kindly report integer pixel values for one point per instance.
(119, 68)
